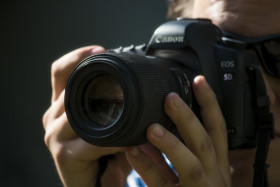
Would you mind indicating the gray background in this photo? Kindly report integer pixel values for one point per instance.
(33, 34)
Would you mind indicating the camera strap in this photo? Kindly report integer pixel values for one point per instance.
(264, 120)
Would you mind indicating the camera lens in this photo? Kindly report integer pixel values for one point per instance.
(111, 99)
(103, 101)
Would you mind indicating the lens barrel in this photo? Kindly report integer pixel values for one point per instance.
(111, 98)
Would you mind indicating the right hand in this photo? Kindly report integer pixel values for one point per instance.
(202, 160)
(77, 161)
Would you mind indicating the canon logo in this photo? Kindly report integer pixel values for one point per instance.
(169, 39)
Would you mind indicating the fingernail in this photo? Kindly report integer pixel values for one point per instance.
(97, 50)
(134, 151)
(158, 131)
(177, 102)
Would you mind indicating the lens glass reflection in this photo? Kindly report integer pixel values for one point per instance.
(104, 101)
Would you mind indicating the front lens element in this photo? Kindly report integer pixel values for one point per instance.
(103, 101)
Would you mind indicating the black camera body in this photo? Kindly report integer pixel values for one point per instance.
(112, 98)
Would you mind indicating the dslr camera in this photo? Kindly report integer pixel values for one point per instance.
(112, 98)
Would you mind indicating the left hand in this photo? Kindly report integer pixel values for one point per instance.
(203, 159)
(77, 161)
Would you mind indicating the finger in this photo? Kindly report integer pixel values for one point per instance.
(143, 165)
(189, 168)
(56, 124)
(57, 107)
(194, 134)
(62, 68)
(45, 118)
(156, 156)
(56, 117)
(213, 120)
(58, 130)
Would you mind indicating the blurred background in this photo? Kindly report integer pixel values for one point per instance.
(32, 35)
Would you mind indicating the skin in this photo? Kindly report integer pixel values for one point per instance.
(249, 18)
(77, 161)
(204, 161)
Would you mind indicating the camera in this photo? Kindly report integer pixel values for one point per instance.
(111, 98)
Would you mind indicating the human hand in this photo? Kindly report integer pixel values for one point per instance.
(77, 161)
(203, 159)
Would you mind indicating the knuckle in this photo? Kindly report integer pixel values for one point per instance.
(58, 151)
(56, 69)
(218, 128)
(45, 118)
(196, 171)
(171, 143)
(206, 146)
(189, 116)
(174, 144)
(49, 136)
(163, 181)
(148, 167)
(47, 139)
